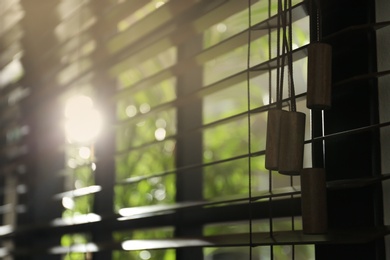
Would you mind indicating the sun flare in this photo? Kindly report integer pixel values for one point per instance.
(83, 121)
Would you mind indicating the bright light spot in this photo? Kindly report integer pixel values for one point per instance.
(145, 255)
(131, 111)
(93, 166)
(72, 163)
(92, 217)
(83, 121)
(5, 230)
(79, 219)
(77, 104)
(87, 190)
(85, 152)
(10, 72)
(149, 197)
(83, 248)
(221, 27)
(150, 244)
(68, 203)
(84, 128)
(144, 108)
(160, 194)
(295, 46)
(159, 4)
(126, 212)
(161, 123)
(4, 252)
(135, 244)
(21, 188)
(132, 212)
(154, 180)
(266, 100)
(160, 134)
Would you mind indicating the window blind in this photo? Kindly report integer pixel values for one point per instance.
(183, 89)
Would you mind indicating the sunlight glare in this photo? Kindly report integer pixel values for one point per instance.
(159, 4)
(160, 134)
(68, 203)
(77, 104)
(85, 152)
(145, 255)
(83, 121)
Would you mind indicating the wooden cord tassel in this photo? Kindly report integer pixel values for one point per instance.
(314, 208)
(319, 81)
(292, 134)
(272, 141)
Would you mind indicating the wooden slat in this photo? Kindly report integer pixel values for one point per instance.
(357, 183)
(137, 212)
(157, 19)
(120, 11)
(206, 55)
(79, 192)
(342, 236)
(217, 86)
(175, 36)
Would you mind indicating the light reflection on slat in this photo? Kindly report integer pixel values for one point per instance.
(90, 247)
(79, 192)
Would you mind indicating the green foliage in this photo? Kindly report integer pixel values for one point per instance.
(140, 155)
(84, 176)
(160, 93)
(152, 159)
(74, 256)
(158, 190)
(225, 29)
(220, 180)
(140, 255)
(74, 239)
(143, 131)
(222, 104)
(82, 205)
(147, 68)
(225, 65)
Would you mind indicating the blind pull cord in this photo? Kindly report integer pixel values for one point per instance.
(319, 71)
